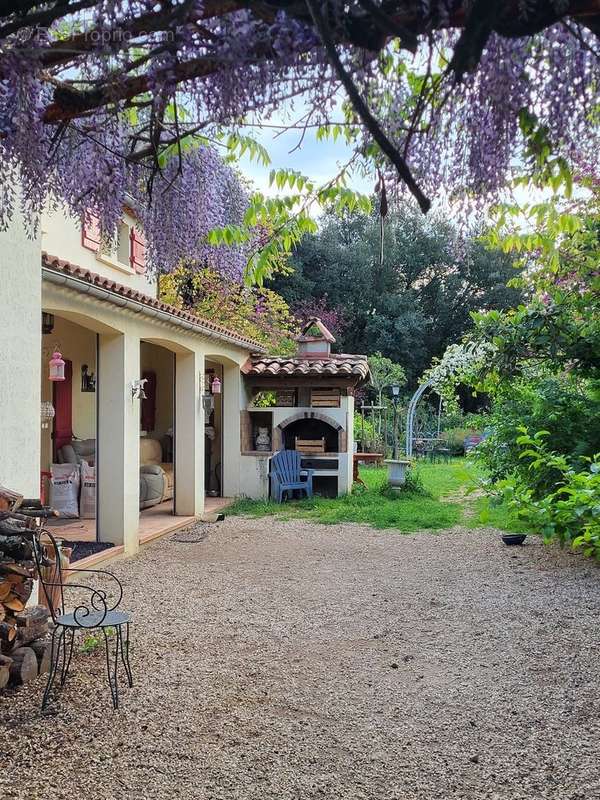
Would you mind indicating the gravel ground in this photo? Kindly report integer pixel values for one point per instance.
(277, 660)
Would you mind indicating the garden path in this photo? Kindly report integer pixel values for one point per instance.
(286, 660)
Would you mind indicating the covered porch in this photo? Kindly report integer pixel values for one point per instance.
(113, 420)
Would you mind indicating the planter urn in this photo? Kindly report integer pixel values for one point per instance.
(397, 473)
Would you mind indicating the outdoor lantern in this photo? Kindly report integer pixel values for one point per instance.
(57, 367)
(215, 386)
(47, 413)
(395, 392)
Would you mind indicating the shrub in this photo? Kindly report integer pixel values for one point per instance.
(455, 439)
(569, 413)
(570, 512)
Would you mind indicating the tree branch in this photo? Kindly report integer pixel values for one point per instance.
(362, 110)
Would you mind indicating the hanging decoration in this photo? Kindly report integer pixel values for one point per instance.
(47, 413)
(57, 368)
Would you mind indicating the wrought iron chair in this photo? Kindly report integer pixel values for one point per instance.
(98, 612)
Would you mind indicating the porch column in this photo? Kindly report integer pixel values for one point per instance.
(231, 424)
(118, 441)
(189, 435)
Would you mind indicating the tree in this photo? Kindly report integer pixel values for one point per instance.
(415, 303)
(260, 314)
(99, 98)
(384, 373)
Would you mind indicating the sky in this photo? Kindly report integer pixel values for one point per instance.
(319, 161)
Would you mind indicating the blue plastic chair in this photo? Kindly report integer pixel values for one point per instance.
(286, 475)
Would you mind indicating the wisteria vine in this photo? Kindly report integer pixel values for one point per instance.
(112, 102)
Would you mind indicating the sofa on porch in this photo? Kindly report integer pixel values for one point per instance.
(157, 478)
(157, 482)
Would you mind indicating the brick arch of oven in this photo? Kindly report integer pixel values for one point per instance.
(317, 415)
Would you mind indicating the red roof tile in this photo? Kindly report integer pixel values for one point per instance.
(60, 266)
(340, 365)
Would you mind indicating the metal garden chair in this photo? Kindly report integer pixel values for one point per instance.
(287, 474)
(96, 612)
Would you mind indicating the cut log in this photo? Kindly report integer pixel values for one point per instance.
(9, 568)
(2, 612)
(5, 585)
(14, 603)
(31, 632)
(8, 632)
(43, 651)
(32, 616)
(5, 663)
(23, 589)
(24, 667)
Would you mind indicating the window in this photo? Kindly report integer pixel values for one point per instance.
(123, 244)
(129, 250)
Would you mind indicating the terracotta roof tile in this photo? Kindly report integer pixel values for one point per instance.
(338, 364)
(58, 265)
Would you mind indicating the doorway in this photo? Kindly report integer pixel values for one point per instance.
(157, 439)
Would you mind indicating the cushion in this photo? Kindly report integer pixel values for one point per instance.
(150, 451)
(85, 449)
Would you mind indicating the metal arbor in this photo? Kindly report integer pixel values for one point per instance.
(411, 413)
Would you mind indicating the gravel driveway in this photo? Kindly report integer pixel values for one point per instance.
(278, 660)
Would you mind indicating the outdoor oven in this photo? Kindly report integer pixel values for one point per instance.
(305, 403)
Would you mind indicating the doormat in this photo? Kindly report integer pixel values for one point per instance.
(191, 535)
(85, 549)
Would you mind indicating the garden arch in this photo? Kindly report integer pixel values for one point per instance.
(411, 414)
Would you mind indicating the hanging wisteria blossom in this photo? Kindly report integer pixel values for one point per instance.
(99, 99)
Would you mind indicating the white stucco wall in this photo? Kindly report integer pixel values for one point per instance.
(61, 237)
(20, 359)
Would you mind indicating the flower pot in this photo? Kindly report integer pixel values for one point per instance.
(514, 538)
(397, 473)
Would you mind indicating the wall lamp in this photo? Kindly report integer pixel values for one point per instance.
(137, 389)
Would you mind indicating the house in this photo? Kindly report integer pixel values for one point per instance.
(164, 407)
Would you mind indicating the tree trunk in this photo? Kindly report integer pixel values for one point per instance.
(24, 667)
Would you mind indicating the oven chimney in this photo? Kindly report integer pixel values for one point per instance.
(315, 340)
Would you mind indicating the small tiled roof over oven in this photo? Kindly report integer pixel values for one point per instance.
(338, 365)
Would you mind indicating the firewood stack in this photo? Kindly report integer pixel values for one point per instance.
(24, 640)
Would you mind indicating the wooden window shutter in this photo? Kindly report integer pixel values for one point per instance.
(138, 250)
(91, 234)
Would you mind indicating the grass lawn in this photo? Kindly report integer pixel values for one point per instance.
(445, 501)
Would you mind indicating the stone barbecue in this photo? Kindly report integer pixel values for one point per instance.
(304, 403)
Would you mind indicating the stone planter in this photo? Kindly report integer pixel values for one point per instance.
(397, 473)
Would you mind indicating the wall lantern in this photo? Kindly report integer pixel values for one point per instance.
(137, 389)
(57, 368)
(47, 322)
(215, 386)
